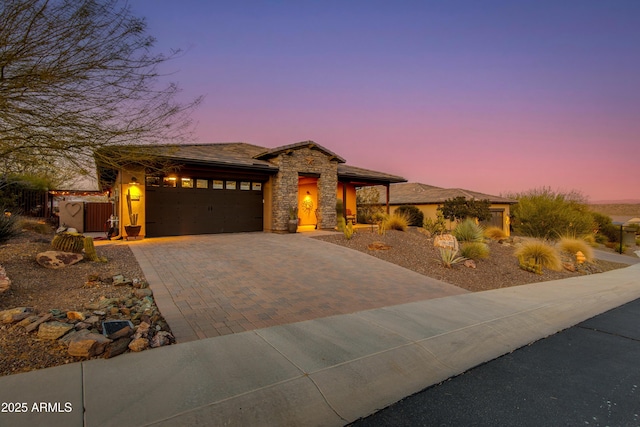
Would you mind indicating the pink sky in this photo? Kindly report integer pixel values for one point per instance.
(493, 96)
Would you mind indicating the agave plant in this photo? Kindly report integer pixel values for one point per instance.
(450, 257)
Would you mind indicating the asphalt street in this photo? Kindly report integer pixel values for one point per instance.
(587, 375)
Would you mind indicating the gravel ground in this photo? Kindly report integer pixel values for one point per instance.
(45, 289)
(415, 251)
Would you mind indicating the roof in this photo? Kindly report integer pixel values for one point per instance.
(273, 152)
(355, 174)
(240, 155)
(415, 193)
(234, 154)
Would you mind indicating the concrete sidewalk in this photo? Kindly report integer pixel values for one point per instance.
(327, 371)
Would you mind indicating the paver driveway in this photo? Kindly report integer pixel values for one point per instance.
(211, 285)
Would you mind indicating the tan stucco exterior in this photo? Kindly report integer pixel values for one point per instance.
(430, 211)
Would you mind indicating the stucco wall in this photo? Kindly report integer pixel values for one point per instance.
(430, 211)
(123, 184)
(351, 196)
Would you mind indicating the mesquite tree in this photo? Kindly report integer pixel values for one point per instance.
(77, 76)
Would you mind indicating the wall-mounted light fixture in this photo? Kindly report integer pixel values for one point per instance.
(134, 181)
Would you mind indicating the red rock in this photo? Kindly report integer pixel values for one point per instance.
(57, 259)
(139, 344)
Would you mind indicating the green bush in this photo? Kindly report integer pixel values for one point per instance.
(611, 232)
(538, 254)
(415, 215)
(368, 204)
(495, 233)
(545, 214)
(459, 208)
(468, 231)
(8, 225)
(39, 227)
(474, 250)
(436, 226)
(572, 246)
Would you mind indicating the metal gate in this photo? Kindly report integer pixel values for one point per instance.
(96, 216)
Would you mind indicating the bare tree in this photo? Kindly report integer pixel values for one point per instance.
(78, 76)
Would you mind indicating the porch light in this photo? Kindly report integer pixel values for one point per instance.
(134, 192)
(134, 181)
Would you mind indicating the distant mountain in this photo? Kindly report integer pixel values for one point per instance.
(616, 202)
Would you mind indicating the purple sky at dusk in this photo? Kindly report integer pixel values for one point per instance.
(491, 96)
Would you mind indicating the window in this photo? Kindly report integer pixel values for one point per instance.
(186, 182)
(217, 184)
(244, 185)
(202, 183)
(230, 185)
(153, 181)
(169, 181)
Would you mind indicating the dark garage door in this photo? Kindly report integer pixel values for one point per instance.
(202, 207)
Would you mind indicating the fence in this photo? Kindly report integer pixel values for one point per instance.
(96, 216)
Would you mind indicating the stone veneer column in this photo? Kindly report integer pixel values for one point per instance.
(285, 185)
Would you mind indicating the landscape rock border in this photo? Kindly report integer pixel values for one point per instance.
(82, 332)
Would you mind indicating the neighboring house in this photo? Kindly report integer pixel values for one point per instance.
(236, 187)
(428, 198)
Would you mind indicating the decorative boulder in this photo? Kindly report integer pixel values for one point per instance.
(56, 260)
(5, 283)
(446, 241)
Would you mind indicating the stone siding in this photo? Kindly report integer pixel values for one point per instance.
(285, 185)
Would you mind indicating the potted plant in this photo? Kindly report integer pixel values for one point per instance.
(133, 229)
(293, 219)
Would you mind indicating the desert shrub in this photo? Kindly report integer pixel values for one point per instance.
(538, 254)
(591, 240)
(449, 257)
(368, 205)
(415, 215)
(495, 233)
(616, 246)
(460, 207)
(611, 232)
(468, 231)
(397, 221)
(340, 223)
(380, 219)
(435, 226)
(474, 250)
(601, 238)
(572, 246)
(8, 225)
(37, 226)
(544, 214)
(348, 231)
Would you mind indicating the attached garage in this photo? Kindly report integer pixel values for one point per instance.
(184, 205)
(186, 189)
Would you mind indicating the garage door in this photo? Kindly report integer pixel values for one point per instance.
(180, 206)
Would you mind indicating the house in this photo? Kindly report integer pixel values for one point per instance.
(233, 187)
(428, 198)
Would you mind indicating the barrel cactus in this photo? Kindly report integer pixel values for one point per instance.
(68, 242)
(90, 251)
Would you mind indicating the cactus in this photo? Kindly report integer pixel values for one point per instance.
(90, 251)
(68, 242)
(133, 217)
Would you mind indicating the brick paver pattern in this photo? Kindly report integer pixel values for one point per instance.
(211, 285)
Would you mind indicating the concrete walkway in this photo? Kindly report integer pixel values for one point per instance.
(327, 371)
(212, 285)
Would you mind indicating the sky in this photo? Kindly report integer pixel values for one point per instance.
(490, 96)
